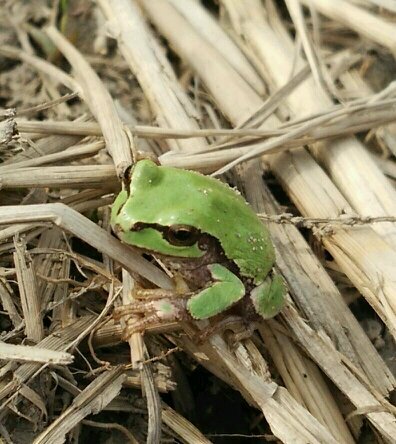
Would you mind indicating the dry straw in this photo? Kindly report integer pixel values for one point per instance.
(256, 77)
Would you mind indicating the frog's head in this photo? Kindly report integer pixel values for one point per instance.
(149, 212)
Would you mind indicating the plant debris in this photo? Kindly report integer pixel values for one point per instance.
(292, 101)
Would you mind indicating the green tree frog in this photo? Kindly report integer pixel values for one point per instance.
(203, 231)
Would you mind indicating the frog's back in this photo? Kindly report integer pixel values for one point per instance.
(168, 196)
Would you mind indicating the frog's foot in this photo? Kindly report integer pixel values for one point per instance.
(218, 326)
(241, 332)
(268, 297)
(141, 315)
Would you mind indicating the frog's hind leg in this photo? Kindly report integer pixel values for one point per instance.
(139, 325)
(153, 307)
(140, 315)
(268, 297)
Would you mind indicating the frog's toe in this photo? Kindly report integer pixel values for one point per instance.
(143, 315)
(268, 297)
(134, 308)
(139, 325)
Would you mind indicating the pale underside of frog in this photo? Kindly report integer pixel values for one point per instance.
(207, 235)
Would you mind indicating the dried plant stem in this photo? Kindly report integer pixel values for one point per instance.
(61, 340)
(91, 400)
(28, 293)
(203, 21)
(170, 104)
(72, 153)
(305, 382)
(99, 101)
(288, 420)
(78, 176)
(75, 223)
(341, 120)
(314, 292)
(363, 22)
(182, 427)
(25, 353)
(375, 407)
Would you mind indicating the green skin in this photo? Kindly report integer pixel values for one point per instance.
(160, 197)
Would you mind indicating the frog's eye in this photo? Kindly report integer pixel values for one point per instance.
(181, 235)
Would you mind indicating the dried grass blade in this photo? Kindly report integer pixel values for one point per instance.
(77, 176)
(184, 428)
(69, 154)
(99, 101)
(146, 59)
(27, 284)
(363, 22)
(90, 401)
(80, 226)
(26, 353)
(60, 340)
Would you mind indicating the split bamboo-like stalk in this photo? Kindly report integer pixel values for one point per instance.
(29, 295)
(61, 341)
(71, 153)
(91, 400)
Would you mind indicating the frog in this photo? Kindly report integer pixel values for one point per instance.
(207, 235)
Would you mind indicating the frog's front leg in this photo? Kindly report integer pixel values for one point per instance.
(268, 298)
(225, 291)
